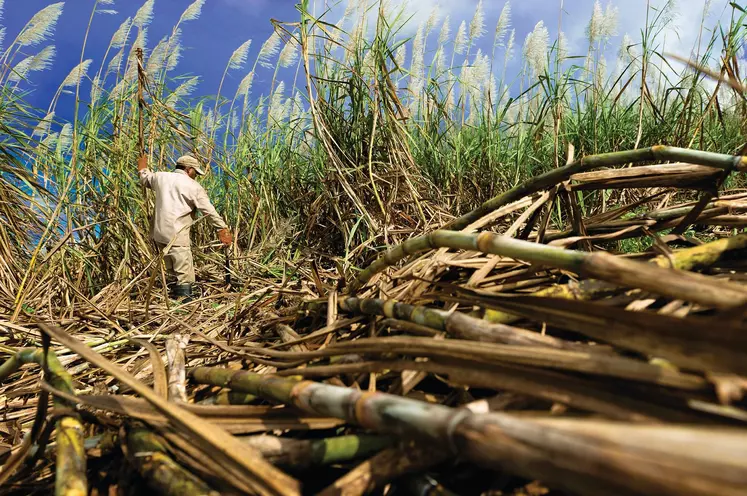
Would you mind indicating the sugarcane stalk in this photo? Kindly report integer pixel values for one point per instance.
(560, 174)
(70, 477)
(489, 353)
(694, 258)
(177, 379)
(149, 454)
(544, 385)
(579, 455)
(676, 284)
(455, 324)
(305, 453)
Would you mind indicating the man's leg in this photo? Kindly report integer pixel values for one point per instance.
(183, 267)
(168, 262)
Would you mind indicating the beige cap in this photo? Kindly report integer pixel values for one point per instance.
(190, 161)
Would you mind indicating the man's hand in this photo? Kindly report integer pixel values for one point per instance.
(225, 236)
(142, 162)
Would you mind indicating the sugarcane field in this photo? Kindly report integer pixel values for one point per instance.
(385, 247)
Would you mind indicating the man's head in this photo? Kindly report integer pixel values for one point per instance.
(190, 165)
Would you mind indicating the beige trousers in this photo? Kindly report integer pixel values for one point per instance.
(179, 267)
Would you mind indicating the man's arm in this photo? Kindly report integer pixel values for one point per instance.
(146, 175)
(206, 208)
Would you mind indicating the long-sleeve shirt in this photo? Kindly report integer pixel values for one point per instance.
(178, 196)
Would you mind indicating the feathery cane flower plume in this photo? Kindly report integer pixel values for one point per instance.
(603, 24)
(41, 26)
(119, 39)
(443, 36)
(233, 122)
(432, 20)
(601, 72)
(417, 64)
(474, 79)
(276, 112)
(297, 110)
(174, 51)
(2, 2)
(535, 48)
(193, 11)
(477, 25)
(400, 55)
(144, 15)
(77, 74)
(141, 41)
(357, 39)
(115, 63)
(594, 28)
(289, 54)
(269, 49)
(562, 46)
(245, 86)
(183, 90)
(42, 129)
(491, 91)
(510, 46)
(627, 51)
(95, 90)
(460, 42)
(609, 22)
(50, 141)
(504, 22)
(39, 62)
(2, 35)
(439, 60)
(65, 141)
(209, 122)
(239, 56)
(157, 57)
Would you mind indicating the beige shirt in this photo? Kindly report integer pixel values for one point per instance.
(178, 196)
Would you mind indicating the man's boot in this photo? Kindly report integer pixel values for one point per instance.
(182, 292)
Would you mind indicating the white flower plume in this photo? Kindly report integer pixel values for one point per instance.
(477, 26)
(77, 74)
(535, 48)
(144, 15)
(269, 49)
(39, 62)
(119, 39)
(41, 26)
(504, 22)
(289, 54)
(239, 56)
(460, 42)
(193, 11)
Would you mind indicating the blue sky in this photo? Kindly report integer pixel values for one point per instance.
(225, 24)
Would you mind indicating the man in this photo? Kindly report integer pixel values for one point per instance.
(178, 197)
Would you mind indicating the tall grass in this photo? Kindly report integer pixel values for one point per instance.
(374, 135)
